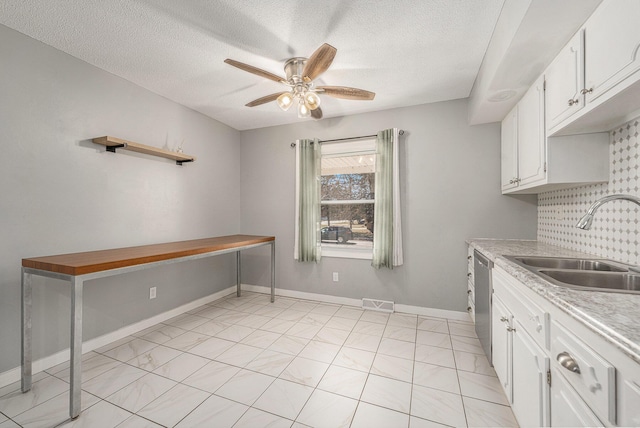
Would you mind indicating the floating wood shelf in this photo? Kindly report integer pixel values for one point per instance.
(113, 143)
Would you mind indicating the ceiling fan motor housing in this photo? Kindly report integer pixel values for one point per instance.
(294, 68)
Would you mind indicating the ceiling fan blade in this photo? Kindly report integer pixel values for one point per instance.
(346, 93)
(257, 71)
(317, 113)
(318, 62)
(264, 100)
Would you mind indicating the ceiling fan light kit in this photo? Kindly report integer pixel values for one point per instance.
(300, 73)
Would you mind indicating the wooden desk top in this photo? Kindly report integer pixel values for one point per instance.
(97, 261)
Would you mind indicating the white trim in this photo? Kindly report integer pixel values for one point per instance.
(14, 375)
(347, 253)
(325, 298)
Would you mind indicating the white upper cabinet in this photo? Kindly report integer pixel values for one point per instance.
(612, 46)
(565, 81)
(509, 152)
(531, 135)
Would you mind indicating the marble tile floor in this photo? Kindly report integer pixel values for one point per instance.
(246, 362)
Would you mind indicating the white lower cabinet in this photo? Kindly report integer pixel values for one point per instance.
(567, 408)
(501, 320)
(530, 388)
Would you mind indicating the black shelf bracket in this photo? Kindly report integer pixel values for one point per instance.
(112, 149)
(180, 162)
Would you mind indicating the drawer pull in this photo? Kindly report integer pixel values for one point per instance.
(469, 257)
(468, 291)
(568, 362)
(469, 274)
(504, 319)
(511, 329)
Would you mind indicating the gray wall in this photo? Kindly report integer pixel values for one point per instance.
(451, 192)
(61, 193)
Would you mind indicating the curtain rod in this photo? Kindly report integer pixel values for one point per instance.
(401, 132)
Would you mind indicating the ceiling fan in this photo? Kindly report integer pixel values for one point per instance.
(300, 73)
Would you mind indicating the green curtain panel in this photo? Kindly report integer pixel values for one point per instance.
(308, 197)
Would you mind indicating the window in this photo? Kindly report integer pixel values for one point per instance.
(347, 198)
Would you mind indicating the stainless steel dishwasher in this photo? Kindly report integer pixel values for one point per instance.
(483, 291)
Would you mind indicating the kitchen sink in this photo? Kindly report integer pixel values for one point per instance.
(596, 281)
(566, 263)
(582, 274)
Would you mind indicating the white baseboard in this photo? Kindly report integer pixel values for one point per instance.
(407, 309)
(45, 363)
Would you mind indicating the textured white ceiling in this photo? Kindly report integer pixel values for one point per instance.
(408, 52)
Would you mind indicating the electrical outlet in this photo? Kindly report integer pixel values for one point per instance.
(335, 277)
(152, 293)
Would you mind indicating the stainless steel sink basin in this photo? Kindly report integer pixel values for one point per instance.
(596, 281)
(582, 274)
(566, 263)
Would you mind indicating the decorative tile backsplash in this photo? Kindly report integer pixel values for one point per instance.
(615, 233)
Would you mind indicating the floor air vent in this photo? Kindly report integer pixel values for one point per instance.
(377, 305)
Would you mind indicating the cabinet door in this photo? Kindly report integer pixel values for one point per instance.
(531, 135)
(567, 408)
(612, 45)
(509, 153)
(501, 319)
(530, 388)
(564, 82)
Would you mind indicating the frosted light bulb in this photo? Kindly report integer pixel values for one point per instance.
(303, 110)
(312, 100)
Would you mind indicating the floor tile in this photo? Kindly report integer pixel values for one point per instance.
(341, 323)
(366, 327)
(438, 406)
(245, 387)
(370, 416)
(239, 355)
(320, 351)
(141, 392)
(269, 311)
(271, 363)
(261, 339)
(325, 309)
(254, 418)
(364, 342)
(52, 412)
(436, 377)
(462, 329)
(9, 424)
(186, 321)
(113, 380)
(235, 333)
(403, 320)
(397, 348)
(400, 333)
(215, 411)
(318, 320)
(181, 367)
(304, 371)
(474, 363)
(303, 306)
(102, 414)
(393, 367)
(212, 376)
(65, 366)
(289, 345)
(415, 422)
(482, 414)
(278, 326)
(211, 347)
(254, 321)
(232, 317)
(163, 334)
(390, 393)
(284, 398)
(431, 338)
(350, 313)
(466, 344)
(115, 344)
(154, 358)
(332, 335)
(3, 418)
(291, 315)
(187, 340)
(306, 331)
(211, 328)
(343, 381)
(436, 325)
(211, 312)
(435, 355)
(130, 349)
(327, 410)
(483, 387)
(91, 368)
(377, 317)
(135, 421)
(173, 405)
(356, 359)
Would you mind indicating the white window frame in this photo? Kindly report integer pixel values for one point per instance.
(339, 149)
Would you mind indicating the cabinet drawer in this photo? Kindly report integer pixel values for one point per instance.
(593, 377)
(534, 320)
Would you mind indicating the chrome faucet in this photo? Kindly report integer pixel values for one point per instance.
(585, 222)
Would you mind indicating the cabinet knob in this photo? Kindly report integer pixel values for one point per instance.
(504, 319)
(468, 291)
(567, 361)
(469, 257)
(572, 102)
(586, 91)
(514, 180)
(511, 329)
(468, 308)
(469, 274)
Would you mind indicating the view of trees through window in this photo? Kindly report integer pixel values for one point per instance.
(347, 189)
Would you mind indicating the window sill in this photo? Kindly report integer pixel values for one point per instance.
(347, 253)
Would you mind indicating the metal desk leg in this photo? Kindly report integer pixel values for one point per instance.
(76, 348)
(238, 272)
(27, 298)
(273, 271)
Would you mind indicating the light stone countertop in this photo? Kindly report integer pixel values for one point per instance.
(613, 316)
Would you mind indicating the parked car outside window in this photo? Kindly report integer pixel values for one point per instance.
(336, 233)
